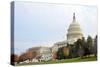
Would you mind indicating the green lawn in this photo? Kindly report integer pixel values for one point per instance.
(63, 61)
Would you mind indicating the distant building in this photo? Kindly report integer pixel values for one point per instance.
(43, 53)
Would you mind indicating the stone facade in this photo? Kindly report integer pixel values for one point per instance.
(58, 45)
(45, 53)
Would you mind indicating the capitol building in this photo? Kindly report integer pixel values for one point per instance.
(74, 33)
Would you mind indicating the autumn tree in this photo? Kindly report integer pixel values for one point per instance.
(30, 55)
(54, 55)
(23, 57)
(66, 52)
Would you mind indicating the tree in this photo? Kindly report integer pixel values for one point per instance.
(60, 54)
(85, 47)
(79, 47)
(66, 52)
(70, 51)
(81, 52)
(30, 55)
(73, 49)
(83, 42)
(95, 46)
(23, 57)
(54, 55)
(89, 44)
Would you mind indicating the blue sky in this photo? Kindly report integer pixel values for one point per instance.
(42, 24)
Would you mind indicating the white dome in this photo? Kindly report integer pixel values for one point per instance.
(74, 31)
(74, 28)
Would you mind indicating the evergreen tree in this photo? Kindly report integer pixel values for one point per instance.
(95, 45)
(80, 47)
(89, 44)
(60, 54)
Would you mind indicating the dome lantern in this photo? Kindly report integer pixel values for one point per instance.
(74, 17)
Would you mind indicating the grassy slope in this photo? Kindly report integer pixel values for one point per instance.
(64, 61)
